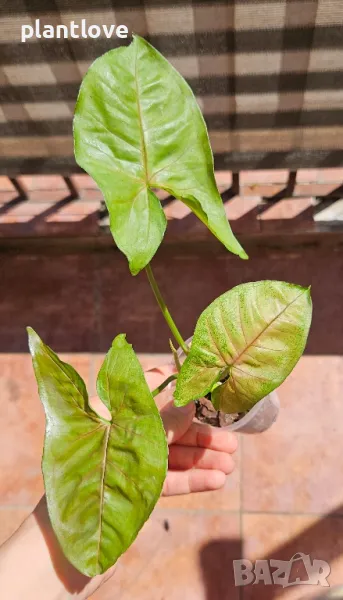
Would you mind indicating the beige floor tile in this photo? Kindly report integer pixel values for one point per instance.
(22, 426)
(178, 556)
(281, 537)
(297, 465)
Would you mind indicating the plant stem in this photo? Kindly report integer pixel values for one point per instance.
(175, 356)
(177, 335)
(164, 384)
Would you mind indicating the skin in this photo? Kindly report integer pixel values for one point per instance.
(200, 458)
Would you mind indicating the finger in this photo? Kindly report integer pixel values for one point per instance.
(176, 421)
(186, 457)
(154, 378)
(206, 436)
(195, 480)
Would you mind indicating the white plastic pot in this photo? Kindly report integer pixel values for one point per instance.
(262, 415)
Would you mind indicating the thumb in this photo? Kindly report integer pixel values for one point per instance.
(176, 421)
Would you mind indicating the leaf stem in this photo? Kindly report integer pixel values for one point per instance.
(164, 384)
(164, 309)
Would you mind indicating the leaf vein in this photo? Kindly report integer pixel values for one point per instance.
(102, 482)
(265, 348)
(111, 156)
(226, 329)
(250, 374)
(214, 342)
(134, 432)
(166, 167)
(113, 133)
(266, 327)
(140, 119)
(128, 478)
(77, 390)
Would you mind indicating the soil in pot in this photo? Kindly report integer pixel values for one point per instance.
(206, 413)
(204, 409)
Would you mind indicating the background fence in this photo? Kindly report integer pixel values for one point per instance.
(268, 76)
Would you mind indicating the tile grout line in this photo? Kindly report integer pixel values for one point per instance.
(241, 589)
(224, 511)
(294, 514)
(214, 511)
(201, 511)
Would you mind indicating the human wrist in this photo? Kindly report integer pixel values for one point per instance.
(45, 573)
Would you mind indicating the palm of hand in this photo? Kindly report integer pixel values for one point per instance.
(199, 455)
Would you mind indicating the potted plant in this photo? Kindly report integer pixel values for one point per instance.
(137, 127)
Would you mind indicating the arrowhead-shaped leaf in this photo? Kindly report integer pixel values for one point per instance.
(250, 338)
(102, 478)
(137, 126)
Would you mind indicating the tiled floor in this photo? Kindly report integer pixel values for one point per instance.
(286, 495)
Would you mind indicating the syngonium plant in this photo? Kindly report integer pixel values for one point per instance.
(137, 127)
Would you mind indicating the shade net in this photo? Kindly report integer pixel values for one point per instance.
(268, 76)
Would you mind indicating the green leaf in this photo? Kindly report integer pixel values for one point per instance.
(254, 335)
(102, 478)
(137, 126)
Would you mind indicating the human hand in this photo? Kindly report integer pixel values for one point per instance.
(200, 456)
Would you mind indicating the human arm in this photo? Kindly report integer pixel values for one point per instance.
(32, 565)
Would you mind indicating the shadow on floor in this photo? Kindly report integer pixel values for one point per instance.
(322, 541)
